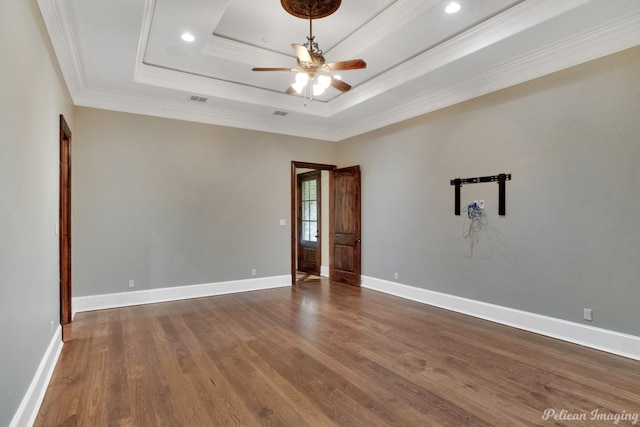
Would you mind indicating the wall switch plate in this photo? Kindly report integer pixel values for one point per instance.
(588, 314)
(283, 222)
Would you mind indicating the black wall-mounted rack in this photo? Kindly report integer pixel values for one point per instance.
(500, 179)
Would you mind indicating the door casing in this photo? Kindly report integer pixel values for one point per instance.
(64, 228)
(309, 252)
(294, 186)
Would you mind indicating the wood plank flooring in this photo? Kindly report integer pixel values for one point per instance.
(325, 354)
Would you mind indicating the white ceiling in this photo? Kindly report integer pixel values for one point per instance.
(127, 55)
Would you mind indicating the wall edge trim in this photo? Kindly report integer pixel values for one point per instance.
(151, 296)
(30, 405)
(617, 343)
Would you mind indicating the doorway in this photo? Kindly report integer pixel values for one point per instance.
(300, 168)
(341, 231)
(64, 228)
(309, 222)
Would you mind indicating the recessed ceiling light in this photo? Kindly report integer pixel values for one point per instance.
(188, 37)
(452, 7)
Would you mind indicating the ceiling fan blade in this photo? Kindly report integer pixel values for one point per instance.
(354, 64)
(340, 85)
(302, 53)
(273, 69)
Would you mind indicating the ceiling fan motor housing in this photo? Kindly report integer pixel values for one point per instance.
(317, 62)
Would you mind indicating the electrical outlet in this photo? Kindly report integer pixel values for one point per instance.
(588, 314)
(132, 283)
(395, 275)
(253, 272)
(52, 327)
(481, 204)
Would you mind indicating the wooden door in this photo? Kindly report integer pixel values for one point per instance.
(344, 233)
(65, 225)
(309, 220)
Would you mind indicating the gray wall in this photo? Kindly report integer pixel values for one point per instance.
(570, 238)
(169, 203)
(32, 97)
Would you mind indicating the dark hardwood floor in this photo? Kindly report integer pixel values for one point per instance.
(325, 354)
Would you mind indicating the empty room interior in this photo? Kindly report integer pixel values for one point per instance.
(315, 212)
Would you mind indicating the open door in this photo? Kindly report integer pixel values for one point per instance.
(344, 234)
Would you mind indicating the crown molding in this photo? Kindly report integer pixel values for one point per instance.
(515, 20)
(59, 19)
(172, 79)
(232, 50)
(193, 112)
(614, 36)
(392, 18)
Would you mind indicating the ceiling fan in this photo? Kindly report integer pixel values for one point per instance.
(314, 72)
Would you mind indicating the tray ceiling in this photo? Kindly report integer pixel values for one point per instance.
(128, 55)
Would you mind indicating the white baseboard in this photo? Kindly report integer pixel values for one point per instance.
(589, 336)
(324, 270)
(150, 296)
(30, 405)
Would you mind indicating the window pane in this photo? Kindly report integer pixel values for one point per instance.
(305, 211)
(312, 190)
(305, 231)
(313, 211)
(313, 231)
(305, 190)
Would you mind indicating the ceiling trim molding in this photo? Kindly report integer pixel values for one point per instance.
(619, 34)
(399, 13)
(517, 19)
(192, 112)
(615, 36)
(59, 19)
(178, 80)
(510, 22)
(245, 54)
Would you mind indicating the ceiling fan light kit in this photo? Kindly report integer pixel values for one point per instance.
(314, 73)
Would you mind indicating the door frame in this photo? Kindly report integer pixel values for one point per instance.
(64, 227)
(293, 218)
(312, 175)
